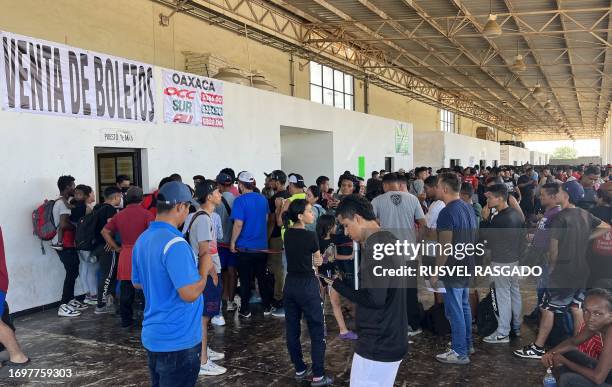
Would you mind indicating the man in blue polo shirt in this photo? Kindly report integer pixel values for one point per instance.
(250, 242)
(165, 267)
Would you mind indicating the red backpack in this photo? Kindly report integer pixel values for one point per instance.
(42, 222)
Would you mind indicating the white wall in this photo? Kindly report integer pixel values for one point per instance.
(39, 148)
(307, 152)
(436, 149)
(510, 154)
(538, 158)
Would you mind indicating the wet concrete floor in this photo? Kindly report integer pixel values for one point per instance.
(100, 353)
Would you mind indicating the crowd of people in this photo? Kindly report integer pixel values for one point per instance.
(184, 256)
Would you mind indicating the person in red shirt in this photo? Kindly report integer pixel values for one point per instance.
(469, 177)
(129, 223)
(7, 335)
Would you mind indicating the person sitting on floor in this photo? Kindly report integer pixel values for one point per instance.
(575, 367)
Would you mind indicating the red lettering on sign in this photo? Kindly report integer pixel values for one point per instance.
(181, 93)
(182, 118)
(211, 98)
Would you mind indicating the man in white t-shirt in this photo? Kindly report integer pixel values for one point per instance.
(63, 243)
(431, 218)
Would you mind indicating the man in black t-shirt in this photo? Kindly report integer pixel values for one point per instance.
(381, 316)
(278, 180)
(106, 257)
(570, 234)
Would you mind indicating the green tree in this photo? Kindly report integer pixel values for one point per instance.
(564, 152)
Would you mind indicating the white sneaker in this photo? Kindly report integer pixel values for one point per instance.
(67, 311)
(452, 357)
(218, 320)
(77, 305)
(91, 300)
(495, 338)
(211, 369)
(214, 355)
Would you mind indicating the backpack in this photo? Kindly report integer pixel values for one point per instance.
(43, 225)
(486, 314)
(85, 235)
(435, 320)
(187, 233)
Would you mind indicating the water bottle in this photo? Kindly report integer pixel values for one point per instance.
(549, 379)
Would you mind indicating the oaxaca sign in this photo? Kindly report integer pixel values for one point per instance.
(38, 76)
(193, 100)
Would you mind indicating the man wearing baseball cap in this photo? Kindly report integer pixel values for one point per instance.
(165, 267)
(278, 182)
(296, 191)
(571, 231)
(249, 242)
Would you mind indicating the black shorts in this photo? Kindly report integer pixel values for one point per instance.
(558, 300)
(346, 269)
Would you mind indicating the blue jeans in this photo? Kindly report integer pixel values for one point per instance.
(459, 315)
(175, 369)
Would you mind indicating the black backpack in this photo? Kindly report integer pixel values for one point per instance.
(486, 314)
(435, 320)
(85, 235)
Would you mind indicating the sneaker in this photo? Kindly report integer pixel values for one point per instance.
(57, 246)
(211, 369)
(449, 347)
(244, 314)
(304, 375)
(66, 310)
(91, 300)
(494, 338)
(231, 306)
(214, 355)
(103, 309)
(324, 381)
(278, 312)
(414, 332)
(452, 357)
(350, 335)
(530, 351)
(77, 305)
(218, 320)
(267, 311)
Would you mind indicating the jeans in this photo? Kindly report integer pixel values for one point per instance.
(88, 273)
(175, 369)
(249, 264)
(108, 273)
(70, 260)
(508, 301)
(459, 315)
(569, 378)
(126, 302)
(302, 297)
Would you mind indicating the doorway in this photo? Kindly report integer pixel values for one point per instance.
(307, 152)
(389, 164)
(483, 164)
(111, 162)
(454, 163)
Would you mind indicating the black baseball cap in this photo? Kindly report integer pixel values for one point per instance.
(297, 180)
(278, 175)
(202, 190)
(224, 179)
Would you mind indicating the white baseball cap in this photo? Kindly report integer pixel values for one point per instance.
(246, 177)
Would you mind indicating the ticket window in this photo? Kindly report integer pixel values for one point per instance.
(111, 163)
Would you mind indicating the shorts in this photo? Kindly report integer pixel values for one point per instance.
(327, 269)
(212, 298)
(2, 299)
(346, 268)
(228, 259)
(558, 300)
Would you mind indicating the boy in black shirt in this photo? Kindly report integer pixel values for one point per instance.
(381, 316)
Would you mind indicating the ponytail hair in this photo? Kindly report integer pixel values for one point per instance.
(296, 208)
(324, 225)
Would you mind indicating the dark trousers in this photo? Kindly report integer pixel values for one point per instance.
(414, 314)
(249, 264)
(175, 369)
(569, 378)
(126, 302)
(108, 273)
(302, 298)
(70, 260)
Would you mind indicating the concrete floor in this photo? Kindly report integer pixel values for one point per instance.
(100, 353)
